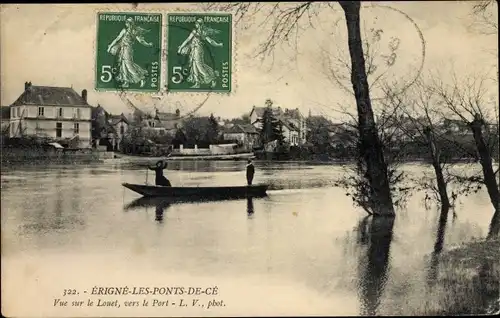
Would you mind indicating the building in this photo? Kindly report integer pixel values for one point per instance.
(58, 113)
(168, 123)
(162, 123)
(293, 122)
(120, 126)
(103, 133)
(298, 122)
(257, 112)
(291, 133)
(246, 135)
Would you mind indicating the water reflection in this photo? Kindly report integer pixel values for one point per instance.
(163, 203)
(438, 247)
(374, 267)
(160, 209)
(58, 208)
(250, 209)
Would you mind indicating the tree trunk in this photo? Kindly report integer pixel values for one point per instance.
(435, 155)
(486, 162)
(370, 146)
(494, 226)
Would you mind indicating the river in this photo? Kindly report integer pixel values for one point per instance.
(299, 251)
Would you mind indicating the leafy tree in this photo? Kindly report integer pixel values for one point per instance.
(201, 130)
(272, 127)
(213, 130)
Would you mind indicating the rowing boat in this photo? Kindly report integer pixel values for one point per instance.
(203, 192)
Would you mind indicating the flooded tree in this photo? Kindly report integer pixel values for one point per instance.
(286, 20)
(419, 122)
(466, 101)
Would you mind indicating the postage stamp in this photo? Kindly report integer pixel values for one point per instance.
(199, 52)
(128, 52)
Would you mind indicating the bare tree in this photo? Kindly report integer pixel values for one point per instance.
(485, 16)
(286, 20)
(355, 180)
(420, 123)
(466, 100)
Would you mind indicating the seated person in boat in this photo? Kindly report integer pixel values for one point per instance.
(160, 179)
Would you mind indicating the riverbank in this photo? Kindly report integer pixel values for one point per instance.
(27, 156)
(468, 281)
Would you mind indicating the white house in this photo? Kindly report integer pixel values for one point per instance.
(291, 133)
(295, 117)
(293, 122)
(120, 125)
(55, 112)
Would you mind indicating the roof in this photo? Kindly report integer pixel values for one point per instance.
(238, 129)
(166, 116)
(169, 121)
(288, 124)
(260, 111)
(50, 96)
(115, 119)
(294, 113)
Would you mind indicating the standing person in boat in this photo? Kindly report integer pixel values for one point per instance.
(250, 172)
(160, 179)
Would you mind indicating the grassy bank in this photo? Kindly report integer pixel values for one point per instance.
(468, 281)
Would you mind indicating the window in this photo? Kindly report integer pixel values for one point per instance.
(58, 130)
(60, 112)
(76, 113)
(122, 130)
(76, 128)
(41, 111)
(18, 110)
(12, 112)
(37, 126)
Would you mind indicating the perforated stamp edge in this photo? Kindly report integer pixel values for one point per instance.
(165, 11)
(232, 52)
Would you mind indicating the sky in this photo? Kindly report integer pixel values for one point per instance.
(53, 45)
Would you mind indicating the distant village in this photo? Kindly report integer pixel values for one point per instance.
(63, 117)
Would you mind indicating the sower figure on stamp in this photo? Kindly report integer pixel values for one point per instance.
(160, 179)
(199, 72)
(122, 46)
(250, 172)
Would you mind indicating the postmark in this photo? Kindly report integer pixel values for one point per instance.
(393, 44)
(199, 52)
(128, 51)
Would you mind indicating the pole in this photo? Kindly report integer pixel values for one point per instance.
(147, 170)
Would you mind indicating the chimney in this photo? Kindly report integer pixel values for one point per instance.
(84, 95)
(27, 85)
(177, 112)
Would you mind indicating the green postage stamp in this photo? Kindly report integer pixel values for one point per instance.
(129, 50)
(199, 52)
